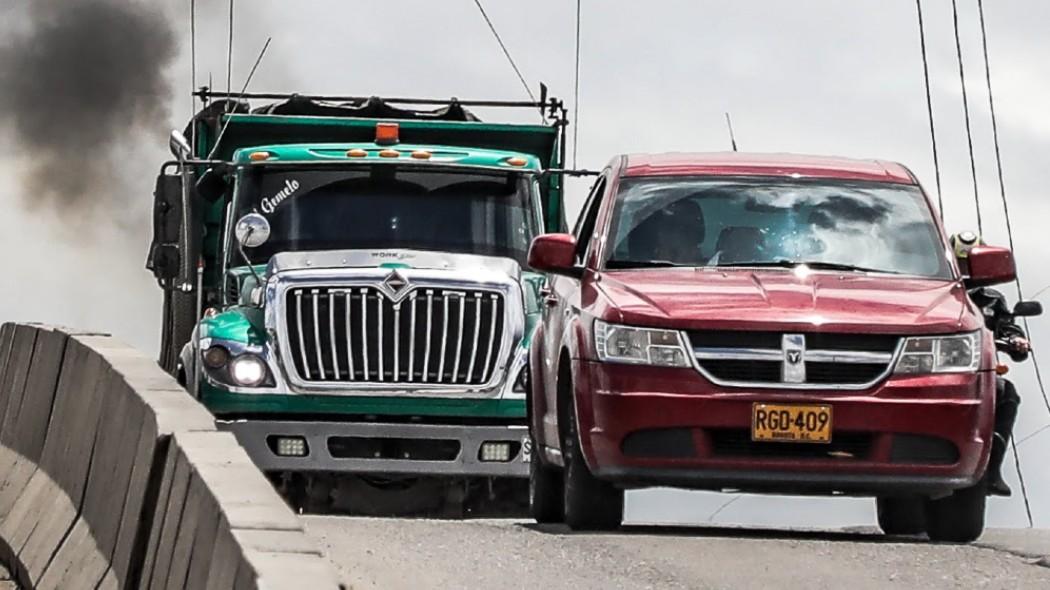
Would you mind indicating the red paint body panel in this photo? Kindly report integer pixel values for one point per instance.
(612, 401)
(746, 164)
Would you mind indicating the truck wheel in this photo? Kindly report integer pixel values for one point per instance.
(590, 503)
(546, 491)
(959, 518)
(902, 515)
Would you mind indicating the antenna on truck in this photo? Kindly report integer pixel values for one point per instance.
(244, 90)
(732, 136)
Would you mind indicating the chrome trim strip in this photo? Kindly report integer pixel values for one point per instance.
(459, 340)
(364, 331)
(848, 356)
(349, 336)
(430, 328)
(776, 355)
(794, 386)
(477, 335)
(379, 332)
(331, 332)
(317, 337)
(412, 338)
(444, 340)
(492, 338)
(302, 341)
(397, 341)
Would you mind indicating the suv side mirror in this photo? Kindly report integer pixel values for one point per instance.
(1027, 309)
(990, 265)
(554, 253)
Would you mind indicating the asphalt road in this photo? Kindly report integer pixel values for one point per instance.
(494, 554)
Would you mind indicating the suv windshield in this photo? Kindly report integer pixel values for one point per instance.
(705, 222)
(386, 206)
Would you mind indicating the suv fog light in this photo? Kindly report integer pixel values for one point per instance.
(495, 452)
(291, 446)
(248, 370)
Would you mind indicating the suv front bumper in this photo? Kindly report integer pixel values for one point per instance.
(383, 448)
(653, 426)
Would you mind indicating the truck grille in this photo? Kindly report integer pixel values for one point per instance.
(359, 335)
(852, 361)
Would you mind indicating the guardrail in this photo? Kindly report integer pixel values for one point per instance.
(111, 476)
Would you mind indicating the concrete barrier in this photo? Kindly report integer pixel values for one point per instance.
(112, 476)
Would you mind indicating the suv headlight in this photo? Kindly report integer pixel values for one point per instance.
(959, 353)
(639, 346)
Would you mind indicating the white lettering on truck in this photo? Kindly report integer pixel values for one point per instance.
(269, 204)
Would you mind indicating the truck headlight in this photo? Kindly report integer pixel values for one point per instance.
(248, 370)
(959, 353)
(639, 346)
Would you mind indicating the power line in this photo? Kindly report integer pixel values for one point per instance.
(929, 107)
(1020, 479)
(1002, 189)
(229, 55)
(506, 52)
(576, 89)
(966, 113)
(193, 71)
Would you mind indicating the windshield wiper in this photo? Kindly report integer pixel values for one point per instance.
(784, 263)
(622, 264)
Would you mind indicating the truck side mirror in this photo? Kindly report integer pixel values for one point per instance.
(990, 265)
(178, 145)
(252, 230)
(554, 253)
(1027, 309)
(164, 254)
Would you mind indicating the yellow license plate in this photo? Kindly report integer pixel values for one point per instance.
(791, 423)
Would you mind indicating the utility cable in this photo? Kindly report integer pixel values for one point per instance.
(966, 113)
(193, 73)
(1002, 191)
(929, 107)
(576, 90)
(229, 56)
(1024, 488)
(506, 52)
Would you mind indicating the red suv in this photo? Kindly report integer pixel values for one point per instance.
(762, 323)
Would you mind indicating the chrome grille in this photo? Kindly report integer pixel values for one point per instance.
(773, 359)
(434, 336)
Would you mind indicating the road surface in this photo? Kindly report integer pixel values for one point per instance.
(494, 554)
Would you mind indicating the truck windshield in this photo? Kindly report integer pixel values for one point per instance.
(389, 207)
(705, 222)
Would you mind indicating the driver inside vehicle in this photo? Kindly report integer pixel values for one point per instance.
(673, 234)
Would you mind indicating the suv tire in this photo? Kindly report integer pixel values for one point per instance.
(590, 503)
(546, 490)
(901, 515)
(958, 518)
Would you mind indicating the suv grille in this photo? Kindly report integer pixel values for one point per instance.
(770, 358)
(358, 334)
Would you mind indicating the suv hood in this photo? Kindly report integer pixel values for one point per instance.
(782, 299)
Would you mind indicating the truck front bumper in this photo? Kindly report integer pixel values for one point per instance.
(388, 449)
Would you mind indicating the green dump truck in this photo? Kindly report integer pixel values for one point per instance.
(345, 289)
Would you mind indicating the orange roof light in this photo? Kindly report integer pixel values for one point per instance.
(516, 161)
(388, 153)
(421, 155)
(357, 153)
(1002, 369)
(259, 156)
(386, 133)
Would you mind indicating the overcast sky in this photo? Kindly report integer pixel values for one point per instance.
(820, 76)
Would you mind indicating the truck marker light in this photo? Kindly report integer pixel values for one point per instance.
(357, 153)
(386, 133)
(389, 154)
(516, 161)
(211, 312)
(421, 155)
(259, 156)
(291, 446)
(495, 452)
(1002, 369)
(216, 357)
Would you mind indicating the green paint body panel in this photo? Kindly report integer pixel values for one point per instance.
(312, 140)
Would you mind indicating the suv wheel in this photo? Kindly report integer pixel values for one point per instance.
(590, 504)
(546, 490)
(902, 515)
(959, 518)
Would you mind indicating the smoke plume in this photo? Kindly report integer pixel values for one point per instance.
(81, 83)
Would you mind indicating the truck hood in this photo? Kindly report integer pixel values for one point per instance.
(782, 300)
(400, 258)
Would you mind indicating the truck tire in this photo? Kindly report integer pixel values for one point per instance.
(958, 518)
(901, 515)
(590, 503)
(177, 328)
(546, 491)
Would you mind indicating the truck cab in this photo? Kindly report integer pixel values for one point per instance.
(360, 310)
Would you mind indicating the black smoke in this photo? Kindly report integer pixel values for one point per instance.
(82, 82)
